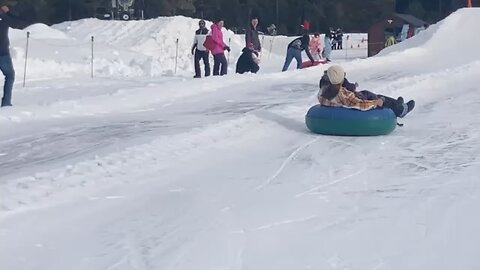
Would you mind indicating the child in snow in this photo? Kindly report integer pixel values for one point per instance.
(335, 95)
(327, 49)
(248, 61)
(315, 47)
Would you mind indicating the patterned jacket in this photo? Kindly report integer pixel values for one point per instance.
(347, 99)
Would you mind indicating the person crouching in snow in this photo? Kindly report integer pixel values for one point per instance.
(219, 59)
(336, 95)
(248, 61)
(295, 49)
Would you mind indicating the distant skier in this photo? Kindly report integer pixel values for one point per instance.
(251, 35)
(248, 61)
(199, 51)
(336, 95)
(220, 65)
(295, 48)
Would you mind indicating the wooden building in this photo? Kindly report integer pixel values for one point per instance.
(389, 29)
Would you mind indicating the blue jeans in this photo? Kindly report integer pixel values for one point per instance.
(293, 53)
(6, 66)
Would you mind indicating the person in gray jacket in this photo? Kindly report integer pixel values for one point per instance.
(251, 35)
(7, 20)
(199, 51)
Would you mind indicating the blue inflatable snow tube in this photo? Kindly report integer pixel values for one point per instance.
(350, 122)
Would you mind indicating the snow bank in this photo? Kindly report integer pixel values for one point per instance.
(441, 43)
(132, 48)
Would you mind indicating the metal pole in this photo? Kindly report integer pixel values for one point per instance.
(277, 13)
(271, 47)
(346, 48)
(229, 42)
(26, 57)
(91, 62)
(176, 56)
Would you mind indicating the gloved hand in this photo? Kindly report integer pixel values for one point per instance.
(226, 48)
(193, 51)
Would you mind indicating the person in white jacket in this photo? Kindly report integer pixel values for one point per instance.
(199, 51)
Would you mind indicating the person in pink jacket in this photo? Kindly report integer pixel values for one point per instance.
(219, 58)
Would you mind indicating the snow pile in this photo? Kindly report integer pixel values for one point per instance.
(179, 173)
(132, 48)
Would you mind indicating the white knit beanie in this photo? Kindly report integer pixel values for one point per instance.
(336, 74)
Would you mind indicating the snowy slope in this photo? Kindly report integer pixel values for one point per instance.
(170, 172)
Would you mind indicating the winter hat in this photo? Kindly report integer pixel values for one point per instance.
(336, 74)
(306, 25)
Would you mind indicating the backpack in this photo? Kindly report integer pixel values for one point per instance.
(209, 44)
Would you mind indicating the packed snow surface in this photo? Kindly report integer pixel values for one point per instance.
(144, 167)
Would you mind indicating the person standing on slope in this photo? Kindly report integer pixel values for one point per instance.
(199, 51)
(251, 35)
(295, 48)
(339, 39)
(327, 48)
(7, 20)
(220, 64)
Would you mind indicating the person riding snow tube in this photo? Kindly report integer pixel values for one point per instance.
(340, 121)
(345, 112)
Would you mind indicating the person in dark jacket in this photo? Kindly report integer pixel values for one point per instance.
(248, 61)
(339, 38)
(295, 49)
(199, 51)
(251, 35)
(7, 20)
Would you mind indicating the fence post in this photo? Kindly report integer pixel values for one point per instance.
(229, 42)
(91, 61)
(176, 56)
(263, 38)
(346, 47)
(26, 57)
(271, 47)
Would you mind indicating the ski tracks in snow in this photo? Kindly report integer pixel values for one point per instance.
(286, 162)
